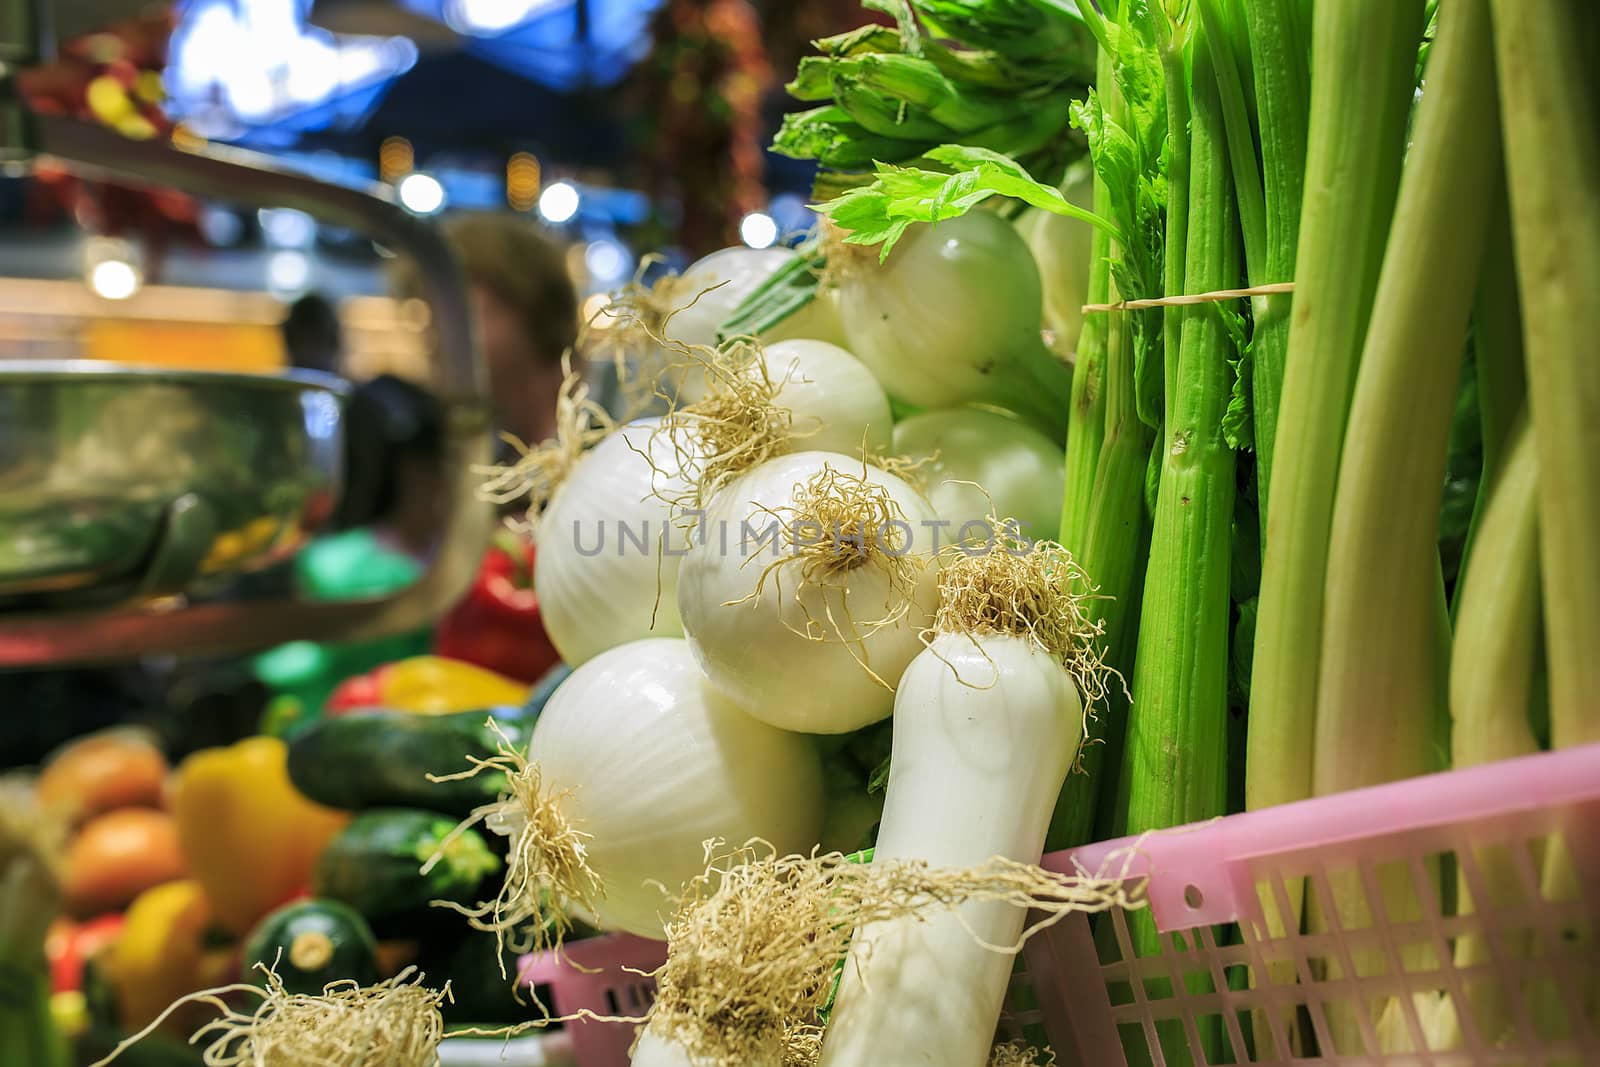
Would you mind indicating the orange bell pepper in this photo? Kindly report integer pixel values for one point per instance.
(249, 837)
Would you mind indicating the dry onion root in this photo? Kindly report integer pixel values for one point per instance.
(737, 425)
(396, 1023)
(630, 333)
(547, 873)
(838, 522)
(760, 402)
(1032, 590)
(1018, 1054)
(806, 593)
(755, 943)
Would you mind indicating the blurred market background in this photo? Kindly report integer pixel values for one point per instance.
(631, 133)
(627, 127)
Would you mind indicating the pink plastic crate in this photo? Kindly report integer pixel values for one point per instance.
(593, 974)
(1080, 985)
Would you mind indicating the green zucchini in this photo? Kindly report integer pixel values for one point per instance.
(375, 864)
(378, 759)
(311, 943)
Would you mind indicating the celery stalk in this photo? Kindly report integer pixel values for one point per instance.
(1357, 140)
(1550, 101)
(1279, 57)
(1269, 192)
(1174, 762)
(1491, 692)
(1380, 684)
(1103, 507)
(1086, 423)
(1550, 114)
(1175, 70)
(1177, 726)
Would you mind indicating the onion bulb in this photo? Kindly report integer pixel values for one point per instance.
(987, 722)
(835, 403)
(817, 320)
(706, 295)
(977, 463)
(1062, 246)
(634, 764)
(763, 402)
(806, 589)
(953, 316)
(607, 567)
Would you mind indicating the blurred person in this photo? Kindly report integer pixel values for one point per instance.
(312, 335)
(526, 312)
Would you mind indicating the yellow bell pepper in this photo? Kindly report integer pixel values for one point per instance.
(249, 837)
(157, 958)
(428, 685)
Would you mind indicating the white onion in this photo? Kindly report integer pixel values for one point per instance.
(837, 405)
(1062, 246)
(966, 448)
(731, 275)
(654, 763)
(985, 728)
(953, 317)
(818, 320)
(600, 558)
(753, 648)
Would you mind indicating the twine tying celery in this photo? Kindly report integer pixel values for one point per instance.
(1216, 296)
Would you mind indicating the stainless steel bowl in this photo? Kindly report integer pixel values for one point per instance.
(121, 482)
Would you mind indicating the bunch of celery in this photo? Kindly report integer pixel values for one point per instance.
(996, 75)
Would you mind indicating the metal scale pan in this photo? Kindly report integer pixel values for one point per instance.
(125, 493)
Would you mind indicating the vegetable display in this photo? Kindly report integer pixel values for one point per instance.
(374, 759)
(883, 568)
(249, 837)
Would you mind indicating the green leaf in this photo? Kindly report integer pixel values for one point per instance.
(901, 195)
(1238, 422)
(879, 782)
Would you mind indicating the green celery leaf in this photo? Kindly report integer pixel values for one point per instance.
(900, 196)
(1238, 422)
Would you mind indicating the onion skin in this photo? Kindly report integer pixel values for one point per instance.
(654, 763)
(754, 651)
(985, 729)
(953, 316)
(596, 586)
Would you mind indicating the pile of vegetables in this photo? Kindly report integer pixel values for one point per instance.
(1198, 559)
(1316, 290)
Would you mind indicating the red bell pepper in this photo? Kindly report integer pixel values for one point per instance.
(353, 694)
(497, 624)
(70, 945)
